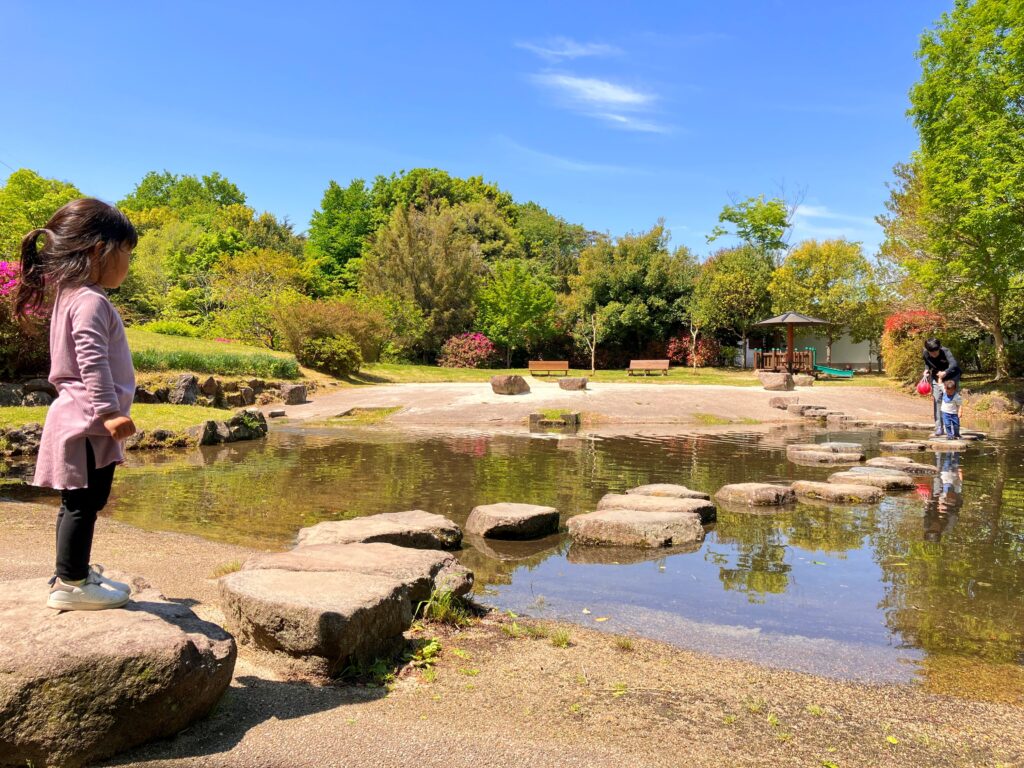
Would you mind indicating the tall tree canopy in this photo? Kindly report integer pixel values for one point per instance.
(831, 280)
(756, 222)
(27, 201)
(517, 305)
(968, 108)
(337, 234)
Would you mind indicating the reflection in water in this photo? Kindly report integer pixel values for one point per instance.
(855, 590)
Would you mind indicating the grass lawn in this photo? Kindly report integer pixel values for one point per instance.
(147, 417)
(139, 339)
(396, 373)
(158, 352)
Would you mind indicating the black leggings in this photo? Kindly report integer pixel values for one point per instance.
(76, 520)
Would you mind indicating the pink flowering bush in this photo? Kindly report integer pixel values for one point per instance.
(24, 347)
(468, 350)
(680, 349)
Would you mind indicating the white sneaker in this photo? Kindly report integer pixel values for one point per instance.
(96, 577)
(86, 597)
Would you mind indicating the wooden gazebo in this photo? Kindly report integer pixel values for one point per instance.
(790, 360)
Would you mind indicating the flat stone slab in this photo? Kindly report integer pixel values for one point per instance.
(636, 528)
(703, 508)
(421, 570)
(847, 493)
(79, 686)
(508, 520)
(903, 464)
(415, 528)
(825, 453)
(756, 494)
(948, 445)
(893, 481)
(326, 619)
(903, 446)
(669, 490)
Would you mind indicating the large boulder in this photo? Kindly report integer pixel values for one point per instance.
(248, 424)
(415, 528)
(185, 390)
(10, 394)
(39, 385)
(144, 396)
(756, 494)
(79, 686)
(421, 570)
(845, 493)
(37, 399)
(886, 479)
(293, 394)
(903, 464)
(210, 387)
(507, 520)
(509, 385)
(703, 508)
(669, 490)
(636, 528)
(776, 381)
(327, 620)
(573, 383)
(803, 380)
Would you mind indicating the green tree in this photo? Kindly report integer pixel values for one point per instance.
(337, 234)
(638, 290)
(831, 280)
(424, 258)
(731, 292)
(483, 222)
(756, 222)
(27, 201)
(187, 195)
(552, 240)
(517, 305)
(968, 108)
(428, 188)
(246, 285)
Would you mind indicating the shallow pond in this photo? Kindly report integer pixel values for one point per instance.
(927, 584)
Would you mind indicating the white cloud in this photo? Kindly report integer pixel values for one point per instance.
(564, 163)
(633, 124)
(560, 48)
(595, 93)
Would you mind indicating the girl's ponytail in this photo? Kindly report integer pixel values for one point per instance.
(31, 283)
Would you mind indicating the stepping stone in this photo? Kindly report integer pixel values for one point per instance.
(327, 620)
(903, 446)
(903, 464)
(421, 570)
(508, 520)
(636, 528)
(703, 508)
(948, 445)
(79, 686)
(838, 493)
(509, 385)
(798, 410)
(825, 453)
(918, 425)
(416, 528)
(756, 494)
(668, 490)
(783, 403)
(893, 481)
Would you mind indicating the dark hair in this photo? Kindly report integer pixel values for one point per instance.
(71, 236)
(933, 345)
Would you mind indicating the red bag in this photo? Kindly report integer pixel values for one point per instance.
(924, 387)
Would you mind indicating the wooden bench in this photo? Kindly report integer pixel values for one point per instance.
(647, 366)
(549, 366)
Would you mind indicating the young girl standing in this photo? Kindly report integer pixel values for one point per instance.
(86, 248)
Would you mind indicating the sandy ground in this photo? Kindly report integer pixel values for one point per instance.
(504, 700)
(603, 404)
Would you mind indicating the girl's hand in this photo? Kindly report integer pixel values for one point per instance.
(120, 427)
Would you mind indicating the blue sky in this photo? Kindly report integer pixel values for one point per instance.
(608, 114)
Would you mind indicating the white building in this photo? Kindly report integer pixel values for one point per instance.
(846, 353)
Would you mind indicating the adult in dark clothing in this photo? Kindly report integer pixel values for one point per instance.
(939, 365)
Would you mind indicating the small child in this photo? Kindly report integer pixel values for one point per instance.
(86, 248)
(951, 404)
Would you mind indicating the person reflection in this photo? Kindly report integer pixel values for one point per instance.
(943, 506)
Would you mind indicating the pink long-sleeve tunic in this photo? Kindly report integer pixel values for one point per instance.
(91, 367)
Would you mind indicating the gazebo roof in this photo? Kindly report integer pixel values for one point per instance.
(793, 318)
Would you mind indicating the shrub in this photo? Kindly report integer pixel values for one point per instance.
(903, 339)
(335, 355)
(23, 345)
(224, 363)
(468, 350)
(300, 319)
(680, 352)
(171, 328)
